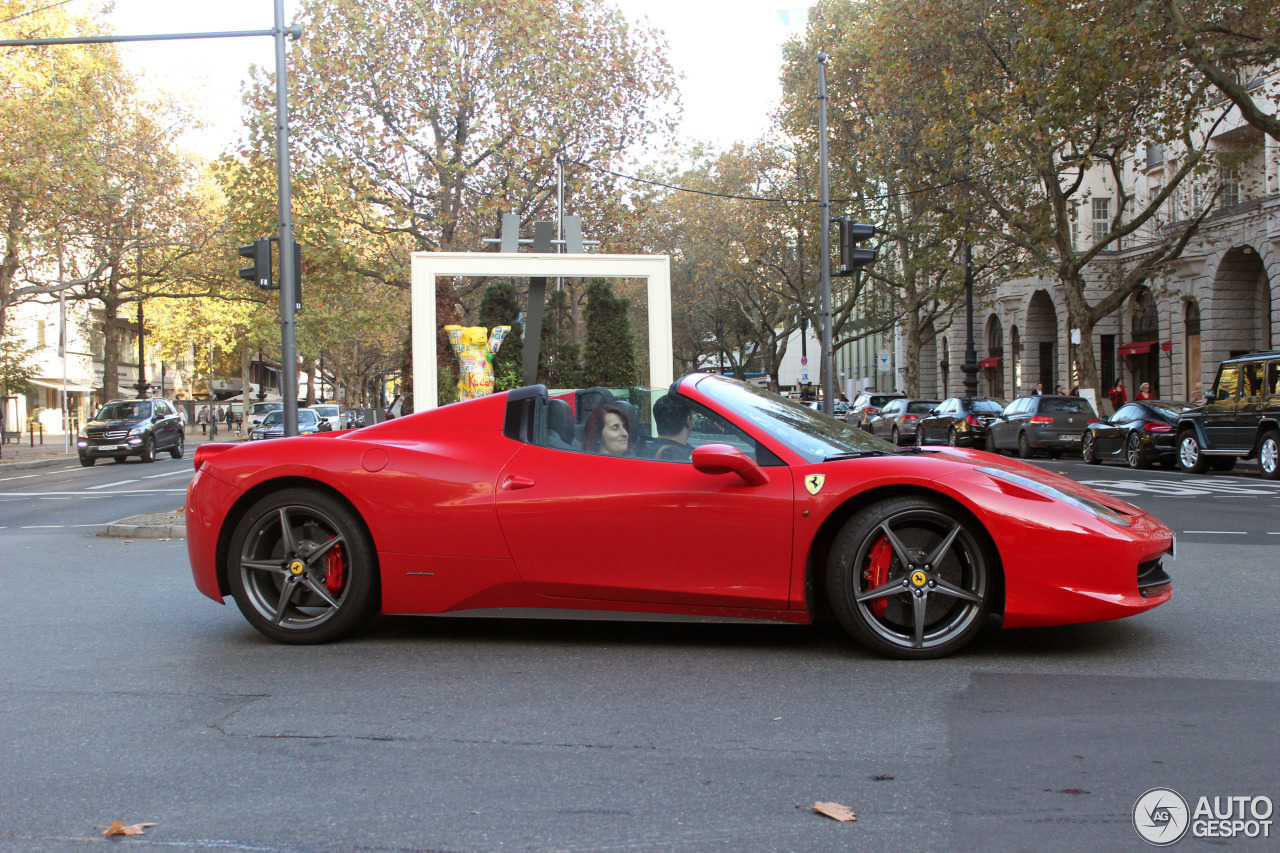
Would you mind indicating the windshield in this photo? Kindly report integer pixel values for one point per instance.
(325, 411)
(259, 408)
(274, 419)
(120, 411)
(810, 434)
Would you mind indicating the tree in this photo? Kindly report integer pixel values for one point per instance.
(608, 359)
(1223, 39)
(434, 117)
(15, 370)
(558, 357)
(501, 307)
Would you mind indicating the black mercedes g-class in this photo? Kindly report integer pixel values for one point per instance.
(1239, 420)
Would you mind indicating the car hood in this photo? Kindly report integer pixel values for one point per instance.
(118, 423)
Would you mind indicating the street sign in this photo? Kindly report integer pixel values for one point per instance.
(804, 360)
(884, 358)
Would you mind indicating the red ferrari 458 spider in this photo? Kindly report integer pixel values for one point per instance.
(711, 499)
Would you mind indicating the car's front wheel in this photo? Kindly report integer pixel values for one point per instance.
(953, 439)
(1133, 453)
(897, 439)
(87, 461)
(911, 577)
(991, 443)
(1088, 452)
(148, 451)
(1269, 455)
(1190, 457)
(302, 568)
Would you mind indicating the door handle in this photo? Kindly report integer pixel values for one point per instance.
(513, 482)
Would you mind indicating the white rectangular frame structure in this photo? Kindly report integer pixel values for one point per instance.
(427, 266)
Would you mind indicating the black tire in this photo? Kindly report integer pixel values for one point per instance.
(1024, 446)
(148, 451)
(281, 570)
(120, 459)
(1088, 452)
(88, 461)
(1269, 455)
(1222, 463)
(1190, 457)
(911, 577)
(920, 442)
(991, 443)
(1133, 455)
(897, 439)
(953, 440)
(179, 448)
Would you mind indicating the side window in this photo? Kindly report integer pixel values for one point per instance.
(1012, 409)
(891, 407)
(1273, 378)
(1251, 380)
(1126, 414)
(1228, 381)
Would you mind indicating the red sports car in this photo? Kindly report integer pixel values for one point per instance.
(711, 499)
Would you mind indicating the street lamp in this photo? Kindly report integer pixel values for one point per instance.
(970, 366)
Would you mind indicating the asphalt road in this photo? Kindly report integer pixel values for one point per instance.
(128, 696)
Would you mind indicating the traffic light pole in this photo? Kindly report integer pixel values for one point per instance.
(288, 266)
(824, 267)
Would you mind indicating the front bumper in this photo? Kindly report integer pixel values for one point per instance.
(92, 448)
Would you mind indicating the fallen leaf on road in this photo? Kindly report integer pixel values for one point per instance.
(117, 827)
(127, 541)
(835, 811)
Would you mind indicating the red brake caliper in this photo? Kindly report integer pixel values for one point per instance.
(877, 574)
(336, 570)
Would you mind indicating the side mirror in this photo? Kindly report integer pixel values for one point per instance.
(1209, 396)
(725, 459)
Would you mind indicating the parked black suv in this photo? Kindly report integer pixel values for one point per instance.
(1239, 420)
(124, 428)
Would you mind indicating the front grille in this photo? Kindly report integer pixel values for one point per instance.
(1152, 579)
(107, 434)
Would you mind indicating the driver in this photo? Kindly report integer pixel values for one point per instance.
(674, 421)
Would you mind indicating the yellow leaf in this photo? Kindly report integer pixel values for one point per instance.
(117, 827)
(835, 811)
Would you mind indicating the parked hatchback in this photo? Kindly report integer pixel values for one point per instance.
(960, 421)
(1239, 420)
(124, 428)
(1138, 434)
(1050, 423)
(867, 404)
(898, 420)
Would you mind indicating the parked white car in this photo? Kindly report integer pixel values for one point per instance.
(329, 413)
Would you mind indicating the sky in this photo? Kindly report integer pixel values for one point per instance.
(726, 51)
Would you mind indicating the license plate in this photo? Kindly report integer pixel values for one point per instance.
(109, 447)
(1069, 438)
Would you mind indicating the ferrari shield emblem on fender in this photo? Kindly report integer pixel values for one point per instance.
(814, 483)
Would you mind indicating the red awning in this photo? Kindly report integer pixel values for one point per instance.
(1138, 348)
(1167, 346)
(994, 361)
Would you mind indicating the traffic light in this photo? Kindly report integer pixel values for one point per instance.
(259, 254)
(851, 257)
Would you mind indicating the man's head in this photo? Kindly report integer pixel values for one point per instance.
(672, 417)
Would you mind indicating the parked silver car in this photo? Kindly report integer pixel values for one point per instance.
(898, 420)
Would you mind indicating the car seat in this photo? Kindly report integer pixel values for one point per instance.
(560, 432)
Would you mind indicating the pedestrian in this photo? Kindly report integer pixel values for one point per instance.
(1117, 394)
(1057, 389)
(1144, 392)
(213, 426)
(203, 419)
(1039, 392)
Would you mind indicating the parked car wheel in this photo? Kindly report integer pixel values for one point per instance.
(911, 578)
(920, 442)
(897, 439)
(991, 444)
(1269, 455)
(1087, 450)
(1133, 453)
(179, 448)
(302, 568)
(953, 439)
(1190, 459)
(1024, 446)
(88, 461)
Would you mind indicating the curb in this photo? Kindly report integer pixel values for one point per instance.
(154, 525)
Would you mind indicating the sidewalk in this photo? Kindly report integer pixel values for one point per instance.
(22, 456)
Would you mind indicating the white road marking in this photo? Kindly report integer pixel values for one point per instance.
(109, 485)
(83, 495)
(23, 477)
(1221, 532)
(169, 474)
(58, 526)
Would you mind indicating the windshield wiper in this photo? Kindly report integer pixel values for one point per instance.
(857, 454)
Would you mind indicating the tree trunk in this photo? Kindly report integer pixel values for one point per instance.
(110, 352)
(246, 358)
(309, 365)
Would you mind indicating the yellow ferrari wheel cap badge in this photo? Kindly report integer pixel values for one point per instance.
(297, 567)
(814, 483)
(919, 579)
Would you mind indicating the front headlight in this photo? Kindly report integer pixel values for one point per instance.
(138, 431)
(1092, 507)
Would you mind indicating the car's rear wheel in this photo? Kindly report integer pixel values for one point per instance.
(1190, 457)
(302, 568)
(911, 577)
(1088, 452)
(1024, 446)
(1133, 453)
(179, 447)
(1269, 455)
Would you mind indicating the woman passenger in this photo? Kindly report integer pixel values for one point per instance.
(606, 432)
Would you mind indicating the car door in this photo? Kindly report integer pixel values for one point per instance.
(1110, 435)
(929, 423)
(600, 528)
(1249, 404)
(1219, 415)
(1004, 430)
(882, 424)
